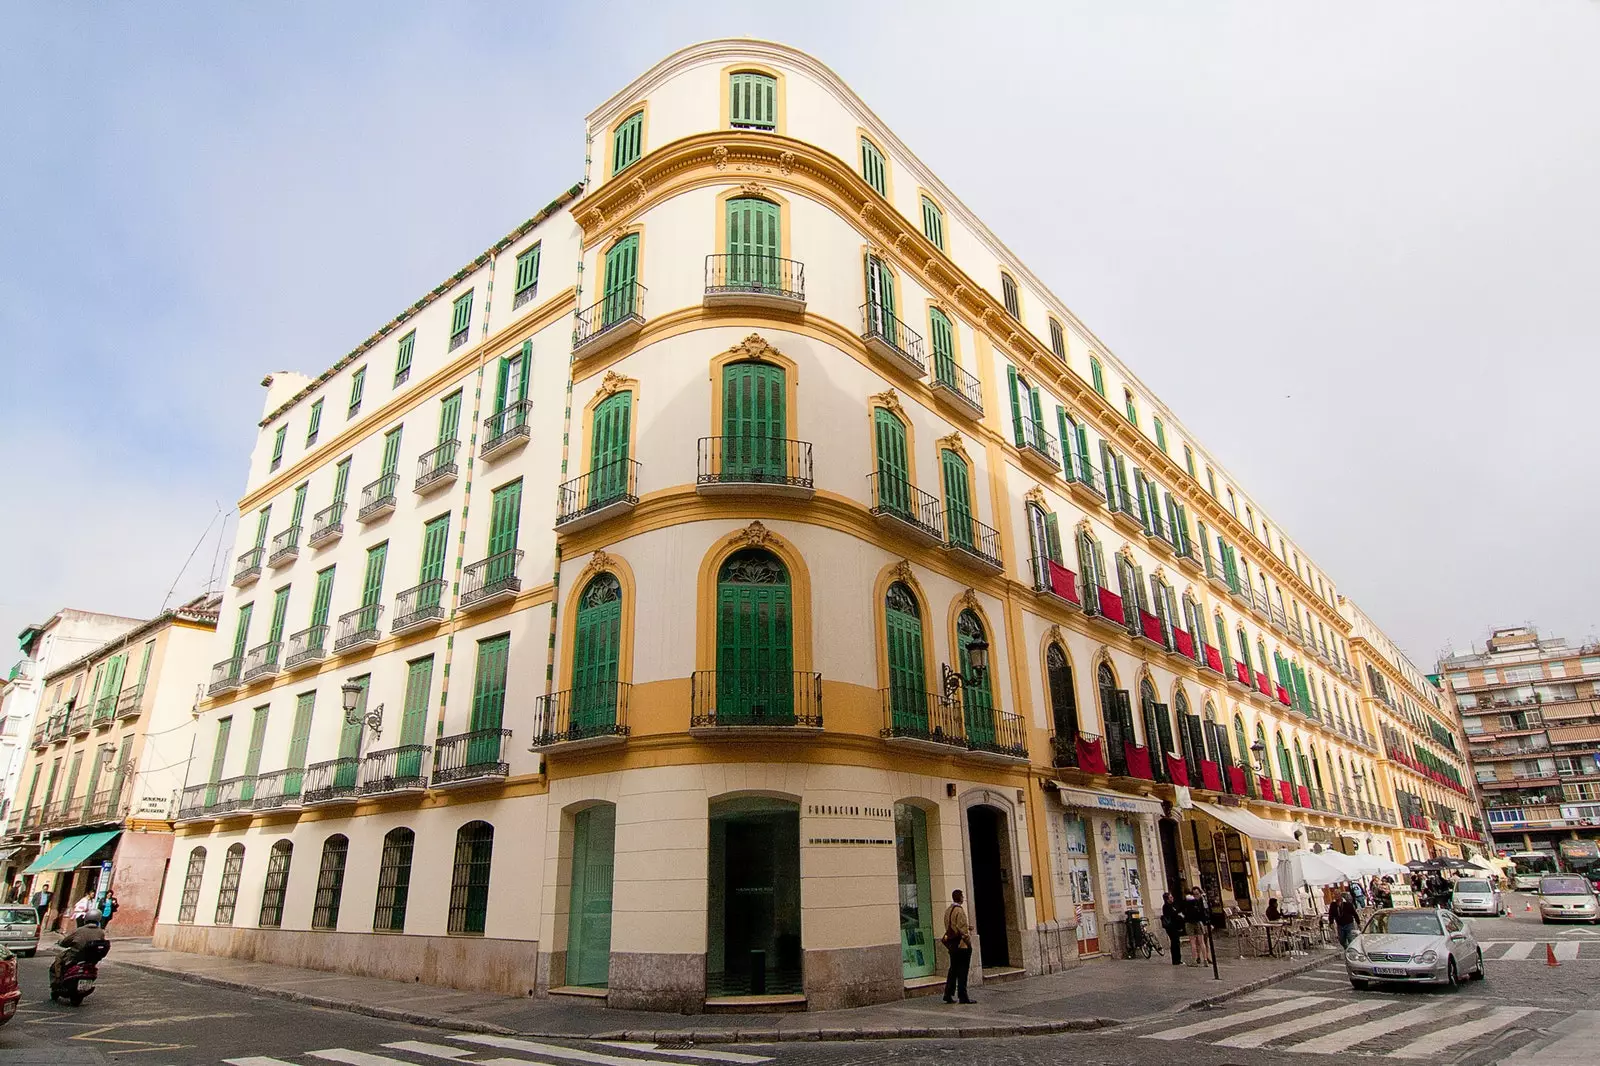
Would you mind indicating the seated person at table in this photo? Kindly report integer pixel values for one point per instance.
(1273, 913)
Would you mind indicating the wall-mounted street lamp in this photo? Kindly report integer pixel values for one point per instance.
(1259, 750)
(373, 719)
(977, 658)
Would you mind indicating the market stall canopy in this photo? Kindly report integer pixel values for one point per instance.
(70, 852)
(1255, 828)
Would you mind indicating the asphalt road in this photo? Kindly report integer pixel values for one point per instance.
(1525, 1014)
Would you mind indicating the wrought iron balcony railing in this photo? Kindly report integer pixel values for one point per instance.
(78, 722)
(742, 276)
(280, 788)
(437, 467)
(1039, 443)
(129, 700)
(419, 605)
(105, 708)
(490, 580)
(755, 699)
(467, 757)
(327, 525)
(506, 429)
(919, 512)
(742, 463)
(911, 714)
(991, 731)
(285, 547)
(889, 338)
(392, 770)
(229, 794)
(332, 781)
(972, 540)
(359, 627)
(607, 489)
(192, 802)
(951, 381)
(377, 498)
(306, 646)
(248, 567)
(587, 714)
(617, 314)
(224, 676)
(261, 661)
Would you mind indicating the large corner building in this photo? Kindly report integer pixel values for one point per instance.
(691, 591)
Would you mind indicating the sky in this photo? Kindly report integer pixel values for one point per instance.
(1355, 246)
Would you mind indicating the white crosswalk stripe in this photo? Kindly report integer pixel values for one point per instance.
(1345, 1039)
(356, 1058)
(614, 1053)
(1459, 1033)
(1259, 1036)
(1228, 1021)
(438, 1051)
(554, 1051)
(699, 1054)
(1519, 950)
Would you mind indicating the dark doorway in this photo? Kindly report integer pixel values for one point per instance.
(755, 899)
(1170, 865)
(985, 835)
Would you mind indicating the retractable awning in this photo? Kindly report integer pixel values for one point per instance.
(69, 852)
(1248, 824)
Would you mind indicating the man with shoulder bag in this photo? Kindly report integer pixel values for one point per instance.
(957, 940)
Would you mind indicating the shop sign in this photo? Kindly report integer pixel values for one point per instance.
(1107, 801)
(154, 807)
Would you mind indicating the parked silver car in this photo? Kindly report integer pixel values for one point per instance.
(1421, 944)
(19, 929)
(1567, 898)
(1472, 895)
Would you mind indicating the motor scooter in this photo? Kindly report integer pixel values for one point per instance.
(77, 979)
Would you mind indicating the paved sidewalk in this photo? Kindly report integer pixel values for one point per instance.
(1098, 993)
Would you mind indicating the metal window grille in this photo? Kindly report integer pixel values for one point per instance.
(277, 880)
(330, 883)
(191, 885)
(469, 881)
(228, 895)
(394, 881)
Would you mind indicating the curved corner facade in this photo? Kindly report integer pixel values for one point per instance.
(800, 558)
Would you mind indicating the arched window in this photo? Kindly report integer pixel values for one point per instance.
(933, 223)
(1063, 701)
(1130, 585)
(754, 445)
(1027, 414)
(469, 878)
(621, 280)
(1008, 295)
(394, 881)
(977, 701)
(753, 101)
(627, 143)
(754, 247)
(1189, 733)
(1216, 737)
(959, 524)
(1044, 542)
(1074, 448)
(942, 337)
(1093, 567)
(892, 490)
(1157, 727)
(755, 641)
(190, 900)
(330, 882)
(909, 700)
(1222, 644)
(1301, 765)
(277, 882)
(1130, 406)
(1058, 340)
(1261, 654)
(1097, 375)
(873, 168)
(1244, 650)
(1265, 769)
(1285, 766)
(1241, 739)
(228, 894)
(596, 652)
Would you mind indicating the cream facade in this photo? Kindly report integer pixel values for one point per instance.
(855, 569)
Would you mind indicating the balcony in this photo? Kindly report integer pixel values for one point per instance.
(1054, 581)
(924, 721)
(892, 341)
(1217, 577)
(969, 541)
(437, 469)
(229, 795)
(1087, 484)
(725, 702)
(285, 548)
(593, 716)
(248, 568)
(306, 648)
(128, 703)
(78, 722)
(613, 319)
(107, 805)
(956, 388)
(395, 771)
(490, 581)
(358, 628)
(277, 790)
(105, 708)
(741, 466)
(606, 491)
(506, 430)
(377, 498)
(470, 758)
(900, 505)
(742, 279)
(41, 735)
(1188, 559)
(1079, 751)
(261, 661)
(1124, 510)
(995, 735)
(1103, 606)
(419, 606)
(1156, 537)
(192, 802)
(1152, 629)
(334, 781)
(1039, 447)
(327, 525)
(224, 677)
(1259, 607)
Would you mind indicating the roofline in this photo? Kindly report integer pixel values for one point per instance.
(439, 290)
(177, 614)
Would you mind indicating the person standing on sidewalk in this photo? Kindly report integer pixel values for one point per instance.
(1172, 924)
(108, 907)
(1196, 913)
(1342, 913)
(41, 903)
(957, 940)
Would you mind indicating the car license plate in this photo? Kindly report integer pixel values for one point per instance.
(1389, 971)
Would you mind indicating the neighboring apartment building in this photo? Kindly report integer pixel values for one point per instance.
(65, 636)
(108, 760)
(1531, 706)
(689, 593)
(1429, 782)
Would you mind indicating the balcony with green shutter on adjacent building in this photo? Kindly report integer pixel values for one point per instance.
(609, 489)
(616, 317)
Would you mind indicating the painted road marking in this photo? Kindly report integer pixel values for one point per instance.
(422, 1047)
(707, 1055)
(1183, 1032)
(1257, 1037)
(1360, 1034)
(1430, 1045)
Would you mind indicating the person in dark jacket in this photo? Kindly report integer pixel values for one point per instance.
(1342, 913)
(1196, 915)
(1172, 923)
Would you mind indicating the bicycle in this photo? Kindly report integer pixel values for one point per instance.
(1139, 942)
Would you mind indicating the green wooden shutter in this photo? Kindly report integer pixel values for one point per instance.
(908, 707)
(414, 718)
(1066, 428)
(527, 275)
(262, 518)
(315, 425)
(754, 424)
(596, 652)
(932, 223)
(277, 445)
(621, 275)
(754, 243)
(358, 382)
(322, 597)
(872, 167)
(1085, 467)
(1139, 496)
(1052, 538)
(298, 512)
(372, 585)
(450, 417)
(1038, 416)
(505, 513)
(144, 662)
(1097, 376)
(594, 835)
(753, 101)
(627, 143)
(460, 318)
(894, 477)
(341, 480)
(391, 451)
(434, 537)
(219, 756)
(258, 739)
(755, 651)
(402, 359)
(977, 700)
(1161, 433)
(241, 632)
(489, 685)
(944, 349)
(280, 608)
(1108, 471)
(299, 741)
(608, 449)
(1016, 404)
(957, 499)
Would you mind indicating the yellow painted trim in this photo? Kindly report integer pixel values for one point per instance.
(756, 349)
(780, 101)
(799, 592)
(642, 107)
(738, 192)
(602, 563)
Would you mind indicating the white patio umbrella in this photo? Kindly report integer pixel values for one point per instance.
(1301, 869)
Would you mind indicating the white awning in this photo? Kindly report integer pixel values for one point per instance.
(1108, 801)
(1248, 824)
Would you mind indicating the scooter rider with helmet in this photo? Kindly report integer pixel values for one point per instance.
(87, 943)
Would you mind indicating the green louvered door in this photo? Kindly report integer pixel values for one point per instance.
(347, 771)
(594, 834)
(881, 318)
(219, 756)
(488, 701)
(431, 578)
(753, 425)
(755, 653)
(414, 719)
(505, 513)
(622, 274)
(957, 499)
(753, 245)
(894, 478)
(908, 708)
(595, 654)
(372, 588)
(608, 450)
(977, 701)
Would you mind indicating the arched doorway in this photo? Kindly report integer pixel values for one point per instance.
(908, 682)
(755, 640)
(753, 896)
(595, 654)
(989, 848)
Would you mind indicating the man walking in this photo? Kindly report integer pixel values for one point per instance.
(1342, 913)
(41, 902)
(958, 941)
(1172, 925)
